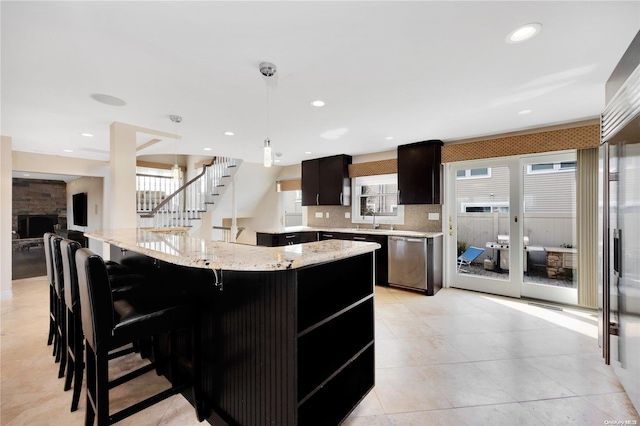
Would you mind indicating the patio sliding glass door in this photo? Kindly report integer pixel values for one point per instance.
(482, 220)
(549, 228)
(512, 226)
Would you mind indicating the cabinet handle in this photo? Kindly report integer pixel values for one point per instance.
(360, 238)
(317, 199)
(341, 198)
(399, 199)
(327, 235)
(290, 236)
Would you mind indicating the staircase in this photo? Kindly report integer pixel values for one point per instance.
(163, 202)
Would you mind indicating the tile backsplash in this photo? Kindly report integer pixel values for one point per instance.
(416, 218)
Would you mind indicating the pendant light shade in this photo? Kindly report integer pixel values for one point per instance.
(268, 157)
(175, 169)
(267, 69)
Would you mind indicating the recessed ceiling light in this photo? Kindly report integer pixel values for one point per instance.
(89, 135)
(389, 138)
(108, 99)
(525, 112)
(524, 32)
(229, 133)
(318, 103)
(307, 152)
(207, 149)
(67, 150)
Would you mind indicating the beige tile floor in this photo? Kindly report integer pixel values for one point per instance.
(458, 358)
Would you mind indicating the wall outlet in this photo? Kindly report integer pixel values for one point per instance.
(326, 215)
(347, 215)
(434, 216)
(318, 215)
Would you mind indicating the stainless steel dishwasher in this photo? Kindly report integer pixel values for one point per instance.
(416, 263)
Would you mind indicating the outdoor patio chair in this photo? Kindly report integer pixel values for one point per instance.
(467, 257)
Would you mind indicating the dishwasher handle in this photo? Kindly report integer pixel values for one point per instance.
(414, 240)
(397, 239)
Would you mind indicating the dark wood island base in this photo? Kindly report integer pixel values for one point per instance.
(280, 347)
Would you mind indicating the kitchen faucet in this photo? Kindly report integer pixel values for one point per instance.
(373, 216)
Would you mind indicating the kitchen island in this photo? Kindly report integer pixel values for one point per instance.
(287, 333)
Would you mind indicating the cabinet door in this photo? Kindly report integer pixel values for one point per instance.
(266, 240)
(310, 182)
(335, 185)
(419, 173)
(381, 261)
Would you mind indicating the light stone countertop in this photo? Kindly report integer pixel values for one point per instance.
(200, 253)
(369, 231)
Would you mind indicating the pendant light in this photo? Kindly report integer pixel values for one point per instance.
(267, 69)
(175, 169)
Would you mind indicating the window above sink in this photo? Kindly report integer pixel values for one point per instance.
(376, 198)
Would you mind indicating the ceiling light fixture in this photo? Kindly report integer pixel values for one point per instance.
(229, 133)
(524, 32)
(389, 138)
(207, 149)
(267, 69)
(67, 150)
(89, 135)
(307, 152)
(525, 112)
(175, 169)
(318, 103)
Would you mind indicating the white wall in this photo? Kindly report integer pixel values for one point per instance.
(256, 198)
(94, 187)
(5, 217)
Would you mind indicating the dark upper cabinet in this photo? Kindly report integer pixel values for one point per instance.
(420, 173)
(325, 181)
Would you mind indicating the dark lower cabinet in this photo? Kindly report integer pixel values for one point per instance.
(381, 257)
(292, 347)
(277, 240)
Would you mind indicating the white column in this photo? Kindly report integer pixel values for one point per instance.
(234, 211)
(6, 215)
(121, 196)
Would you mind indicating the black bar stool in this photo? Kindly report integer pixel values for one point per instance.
(75, 338)
(109, 324)
(52, 291)
(61, 309)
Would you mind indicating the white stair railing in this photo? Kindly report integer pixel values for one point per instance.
(187, 202)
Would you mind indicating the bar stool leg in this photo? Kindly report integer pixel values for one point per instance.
(52, 323)
(71, 359)
(79, 369)
(198, 400)
(62, 344)
(90, 366)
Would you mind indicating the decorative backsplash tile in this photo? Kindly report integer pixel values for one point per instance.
(416, 218)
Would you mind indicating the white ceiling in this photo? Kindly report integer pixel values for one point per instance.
(411, 70)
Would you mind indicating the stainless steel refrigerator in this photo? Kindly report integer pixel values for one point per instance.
(619, 333)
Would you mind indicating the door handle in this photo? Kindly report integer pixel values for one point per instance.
(341, 198)
(317, 199)
(617, 247)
